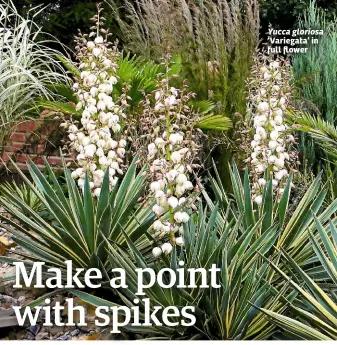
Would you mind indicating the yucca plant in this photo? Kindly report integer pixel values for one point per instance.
(293, 228)
(24, 193)
(237, 237)
(313, 315)
(228, 312)
(81, 223)
(27, 66)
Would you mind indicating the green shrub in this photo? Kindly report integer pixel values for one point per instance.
(316, 75)
(316, 70)
(215, 41)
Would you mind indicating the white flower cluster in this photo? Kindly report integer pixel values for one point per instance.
(98, 138)
(269, 97)
(171, 153)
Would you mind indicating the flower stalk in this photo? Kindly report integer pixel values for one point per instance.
(271, 155)
(172, 149)
(98, 139)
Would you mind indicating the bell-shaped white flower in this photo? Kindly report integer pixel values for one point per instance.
(99, 152)
(74, 175)
(99, 40)
(155, 186)
(90, 45)
(152, 149)
(279, 163)
(272, 144)
(260, 168)
(188, 185)
(156, 252)
(167, 248)
(263, 107)
(181, 179)
(159, 142)
(254, 144)
(103, 161)
(267, 76)
(90, 150)
(258, 199)
(122, 143)
(173, 202)
(176, 157)
(171, 175)
(97, 192)
(158, 210)
(159, 194)
(179, 241)
(279, 175)
(181, 217)
(157, 225)
(96, 51)
(262, 181)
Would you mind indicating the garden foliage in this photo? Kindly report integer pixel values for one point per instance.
(27, 68)
(137, 193)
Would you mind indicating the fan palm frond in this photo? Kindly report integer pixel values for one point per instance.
(323, 132)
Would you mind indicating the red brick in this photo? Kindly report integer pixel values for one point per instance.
(8, 148)
(17, 146)
(5, 156)
(55, 161)
(21, 137)
(22, 166)
(20, 158)
(40, 148)
(27, 126)
(38, 160)
(40, 167)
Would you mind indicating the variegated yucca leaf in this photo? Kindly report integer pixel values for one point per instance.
(69, 65)
(293, 229)
(80, 222)
(228, 312)
(24, 192)
(314, 313)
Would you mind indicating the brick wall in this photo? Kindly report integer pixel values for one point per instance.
(38, 140)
